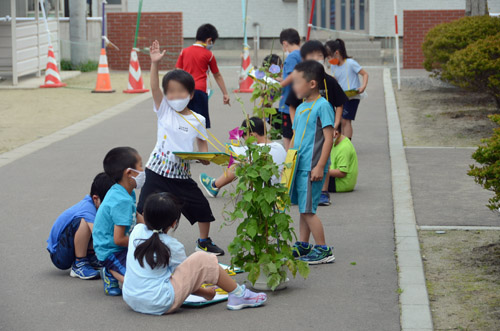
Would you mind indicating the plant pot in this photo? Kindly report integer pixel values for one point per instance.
(261, 284)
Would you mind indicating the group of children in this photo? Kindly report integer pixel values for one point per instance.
(107, 235)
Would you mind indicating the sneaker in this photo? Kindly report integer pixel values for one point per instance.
(208, 184)
(298, 249)
(83, 270)
(111, 286)
(248, 300)
(319, 255)
(94, 262)
(324, 199)
(209, 247)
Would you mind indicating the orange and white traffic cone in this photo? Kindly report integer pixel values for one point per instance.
(103, 84)
(135, 82)
(245, 80)
(52, 78)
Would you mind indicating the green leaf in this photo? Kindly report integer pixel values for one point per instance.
(252, 228)
(303, 269)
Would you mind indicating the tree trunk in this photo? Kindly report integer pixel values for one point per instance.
(78, 31)
(476, 7)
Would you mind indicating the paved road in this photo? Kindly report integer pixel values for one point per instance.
(36, 188)
(443, 193)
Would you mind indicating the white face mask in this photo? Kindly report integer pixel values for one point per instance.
(139, 179)
(210, 46)
(178, 104)
(287, 53)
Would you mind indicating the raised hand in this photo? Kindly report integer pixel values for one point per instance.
(154, 52)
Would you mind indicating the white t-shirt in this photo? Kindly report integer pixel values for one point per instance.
(174, 134)
(277, 151)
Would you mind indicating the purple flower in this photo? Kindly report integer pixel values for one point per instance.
(231, 160)
(259, 74)
(235, 134)
(274, 69)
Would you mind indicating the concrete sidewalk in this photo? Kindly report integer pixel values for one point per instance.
(341, 296)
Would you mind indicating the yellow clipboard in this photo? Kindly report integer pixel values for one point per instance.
(214, 157)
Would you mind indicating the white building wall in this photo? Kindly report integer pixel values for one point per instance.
(226, 15)
(382, 12)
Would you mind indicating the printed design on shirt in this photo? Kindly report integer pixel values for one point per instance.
(164, 165)
(134, 222)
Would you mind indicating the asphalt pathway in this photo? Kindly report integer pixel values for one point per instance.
(357, 292)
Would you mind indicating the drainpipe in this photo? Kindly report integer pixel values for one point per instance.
(256, 43)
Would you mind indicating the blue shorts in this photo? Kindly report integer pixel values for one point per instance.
(306, 193)
(350, 109)
(64, 255)
(117, 261)
(199, 104)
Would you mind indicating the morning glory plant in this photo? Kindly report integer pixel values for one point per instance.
(260, 206)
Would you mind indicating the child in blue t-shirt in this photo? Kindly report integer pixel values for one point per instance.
(160, 277)
(69, 243)
(290, 41)
(313, 140)
(117, 215)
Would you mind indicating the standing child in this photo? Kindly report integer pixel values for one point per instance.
(70, 239)
(117, 215)
(329, 89)
(290, 41)
(178, 129)
(198, 60)
(346, 70)
(313, 140)
(160, 277)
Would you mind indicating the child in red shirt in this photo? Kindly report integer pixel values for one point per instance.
(198, 60)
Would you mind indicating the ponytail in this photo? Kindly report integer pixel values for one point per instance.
(337, 45)
(161, 210)
(154, 251)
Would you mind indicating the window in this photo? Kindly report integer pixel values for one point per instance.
(332, 14)
(352, 13)
(361, 14)
(342, 14)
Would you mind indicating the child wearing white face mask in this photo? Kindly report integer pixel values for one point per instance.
(117, 215)
(178, 129)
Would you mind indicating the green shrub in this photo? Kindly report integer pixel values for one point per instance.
(476, 67)
(488, 156)
(83, 67)
(445, 39)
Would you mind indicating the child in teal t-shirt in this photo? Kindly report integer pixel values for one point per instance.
(343, 172)
(117, 215)
(313, 139)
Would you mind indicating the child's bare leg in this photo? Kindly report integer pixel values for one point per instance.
(286, 143)
(82, 239)
(327, 181)
(204, 229)
(305, 232)
(225, 178)
(117, 275)
(315, 226)
(225, 281)
(347, 128)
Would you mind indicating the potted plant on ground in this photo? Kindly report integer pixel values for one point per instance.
(264, 235)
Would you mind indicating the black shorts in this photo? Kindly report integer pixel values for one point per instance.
(350, 109)
(195, 205)
(199, 104)
(285, 126)
(331, 185)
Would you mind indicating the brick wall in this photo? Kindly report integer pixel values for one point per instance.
(164, 27)
(416, 25)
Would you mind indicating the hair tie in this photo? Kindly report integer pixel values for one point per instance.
(157, 231)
